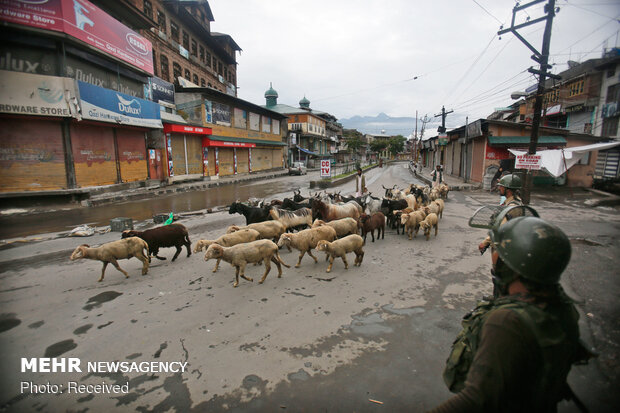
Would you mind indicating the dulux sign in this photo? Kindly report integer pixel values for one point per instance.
(107, 105)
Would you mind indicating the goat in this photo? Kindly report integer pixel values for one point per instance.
(327, 212)
(373, 204)
(228, 240)
(306, 240)
(173, 235)
(388, 206)
(297, 196)
(429, 222)
(343, 226)
(116, 250)
(412, 221)
(340, 248)
(397, 218)
(267, 229)
(443, 190)
(252, 252)
(297, 219)
(291, 205)
(440, 206)
(368, 223)
(252, 214)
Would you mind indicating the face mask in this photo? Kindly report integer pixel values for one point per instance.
(502, 199)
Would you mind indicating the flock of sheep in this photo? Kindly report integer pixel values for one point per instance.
(326, 222)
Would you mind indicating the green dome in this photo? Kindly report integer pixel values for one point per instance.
(271, 92)
(304, 103)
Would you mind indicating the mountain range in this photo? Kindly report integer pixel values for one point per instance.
(383, 123)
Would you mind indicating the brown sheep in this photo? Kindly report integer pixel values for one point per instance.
(412, 222)
(116, 250)
(343, 226)
(429, 222)
(173, 235)
(267, 229)
(252, 252)
(228, 240)
(370, 223)
(306, 240)
(340, 248)
(440, 206)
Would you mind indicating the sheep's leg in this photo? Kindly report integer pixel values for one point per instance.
(242, 273)
(436, 227)
(267, 269)
(155, 253)
(301, 255)
(188, 245)
(217, 264)
(277, 262)
(145, 264)
(313, 257)
(236, 276)
(359, 256)
(409, 232)
(115, 264)
(331, 262)
(382, 232)
(372, 234)
(176, 254)
(344, 260)
(105, 264)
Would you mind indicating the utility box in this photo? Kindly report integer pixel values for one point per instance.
(121, 224)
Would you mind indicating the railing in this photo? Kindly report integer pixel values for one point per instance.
(348, 167)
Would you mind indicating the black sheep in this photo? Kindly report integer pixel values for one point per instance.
(253, 215)
(173, 235)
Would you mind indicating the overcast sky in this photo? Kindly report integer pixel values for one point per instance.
(360, 57)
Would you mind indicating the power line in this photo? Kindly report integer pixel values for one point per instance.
(488, 12)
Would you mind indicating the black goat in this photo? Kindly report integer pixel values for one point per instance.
(291, 205)
(173, 235)
(297, 196)
(388, 206)
(252, 215)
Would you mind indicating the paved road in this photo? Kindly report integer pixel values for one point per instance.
(310, 341)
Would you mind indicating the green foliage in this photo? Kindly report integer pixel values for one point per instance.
(354, 143)
(378, 145)
(397, 144)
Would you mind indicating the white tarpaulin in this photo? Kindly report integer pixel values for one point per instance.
(553, 159)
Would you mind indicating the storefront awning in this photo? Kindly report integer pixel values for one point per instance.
(263, 142)
(307, 151)
(525, 140)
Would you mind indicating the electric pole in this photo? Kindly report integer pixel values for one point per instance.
(443, 115)
(543, 59)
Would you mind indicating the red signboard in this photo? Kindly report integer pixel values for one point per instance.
(231, 144)
(84, 21)
(497, 153)
(326, 168)
(170, 127)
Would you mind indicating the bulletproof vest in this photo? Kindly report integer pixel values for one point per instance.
(548, 331)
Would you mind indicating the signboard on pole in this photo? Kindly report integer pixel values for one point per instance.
(527, 161)
(326, 168)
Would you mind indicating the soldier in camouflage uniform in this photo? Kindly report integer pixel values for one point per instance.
(515, 351)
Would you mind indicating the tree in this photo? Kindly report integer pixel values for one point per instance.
(396, 144)
(354, 140)
(378, 145)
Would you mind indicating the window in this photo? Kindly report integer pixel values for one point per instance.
(195, 79)
(202, 82)
(185, 40)
(163, 67)
(187, 74)
(161, 20)
(202, 53)
(611, 72)
(148, 8)
(208, 59)
(610, 126)
(193, 50)
(219, 68)
(174, 31)
(613, 93)
(575, 88)
(154, 64)
(176, 72)
(552, 96)
(226, 73)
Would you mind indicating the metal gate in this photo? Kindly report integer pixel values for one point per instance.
(607, 164)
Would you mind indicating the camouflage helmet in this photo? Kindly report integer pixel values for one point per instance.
(510, 181)
(534, 249)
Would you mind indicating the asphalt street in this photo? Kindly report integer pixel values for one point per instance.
(370, 338)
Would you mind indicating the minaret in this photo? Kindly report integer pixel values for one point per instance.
(271, 95)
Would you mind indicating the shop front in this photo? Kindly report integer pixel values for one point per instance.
(187, 156)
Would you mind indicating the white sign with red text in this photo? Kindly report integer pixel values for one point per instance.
(326, 168)
(527, 161)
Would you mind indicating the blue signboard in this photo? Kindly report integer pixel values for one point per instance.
(161, 90)
(106, 105)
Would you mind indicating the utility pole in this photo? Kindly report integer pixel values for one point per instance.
(443, 115)
(543, 59)
(415, 138)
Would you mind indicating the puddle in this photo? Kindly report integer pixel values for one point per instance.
(370, 325)
(37, 324)
(8, 321)
(97, 300)
(82, 330)
(402, 311)
(59, 348)
(301, 375)
(162, 347)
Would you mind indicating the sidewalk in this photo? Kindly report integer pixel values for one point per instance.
(455, 183)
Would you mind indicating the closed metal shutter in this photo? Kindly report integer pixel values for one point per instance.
(276, 158)
(261, 159)
(178, 155)
(93, 155)
(194, 154)
(242, 160)
(132, 155)
(607, 164)
(226, 161)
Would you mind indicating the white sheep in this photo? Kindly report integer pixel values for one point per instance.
(412, 221)
(252, 252)
(343, 226)
(307, 239)
(228, 240)
(110, 252)
(340, 248)
(266, 229)
(429, 222)
(440, 206)
(299, 218)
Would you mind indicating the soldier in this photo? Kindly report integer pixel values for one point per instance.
(515, 352)
(509, 186)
